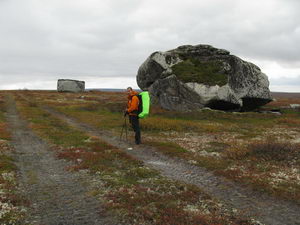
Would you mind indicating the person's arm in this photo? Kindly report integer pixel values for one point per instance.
(134, 104)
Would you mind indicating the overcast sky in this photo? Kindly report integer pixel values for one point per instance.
(103, 42)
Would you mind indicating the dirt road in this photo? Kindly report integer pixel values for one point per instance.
(57, 197)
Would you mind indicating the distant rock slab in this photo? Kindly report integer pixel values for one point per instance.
(67, 85)
(295, 106)
(193, 77)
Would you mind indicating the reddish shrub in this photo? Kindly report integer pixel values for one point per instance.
(274, 150)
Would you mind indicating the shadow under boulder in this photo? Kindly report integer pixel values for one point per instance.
(223, 105)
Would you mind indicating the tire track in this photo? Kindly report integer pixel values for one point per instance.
(57, 197)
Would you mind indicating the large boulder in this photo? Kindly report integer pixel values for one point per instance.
(193, 77)
(66, 85)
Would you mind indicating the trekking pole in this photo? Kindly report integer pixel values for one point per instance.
(121, 132)
(126, 129)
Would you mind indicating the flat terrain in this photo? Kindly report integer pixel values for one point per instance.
(286, 95)
(208, 167)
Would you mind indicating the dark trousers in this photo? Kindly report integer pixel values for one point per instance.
(134, 121)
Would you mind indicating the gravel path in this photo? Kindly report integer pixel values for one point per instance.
(266, 209)
(57, 197)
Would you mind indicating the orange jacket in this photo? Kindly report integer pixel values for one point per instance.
(132, 103)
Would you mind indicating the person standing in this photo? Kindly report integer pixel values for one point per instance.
(132, 111)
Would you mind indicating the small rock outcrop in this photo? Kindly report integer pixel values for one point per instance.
(193, 77)
(66, 85)
(295, 106)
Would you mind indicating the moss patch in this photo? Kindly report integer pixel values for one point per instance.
(192, 70)
(6, 164)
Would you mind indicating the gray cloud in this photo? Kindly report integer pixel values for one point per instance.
(294, 81)
(50, 39)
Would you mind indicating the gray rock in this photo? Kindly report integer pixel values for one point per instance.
(295, 106)
(226, 82)
(173, 94)
(66, 85)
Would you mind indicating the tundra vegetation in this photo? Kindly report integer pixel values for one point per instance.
(12, 205)
(259, 150)
(138, 194)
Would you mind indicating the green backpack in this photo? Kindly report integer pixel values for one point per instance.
(144, 104)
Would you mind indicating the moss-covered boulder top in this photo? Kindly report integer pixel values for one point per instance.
(192, 77)
(193, 70)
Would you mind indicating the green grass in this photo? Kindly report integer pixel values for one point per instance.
(192, 70)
